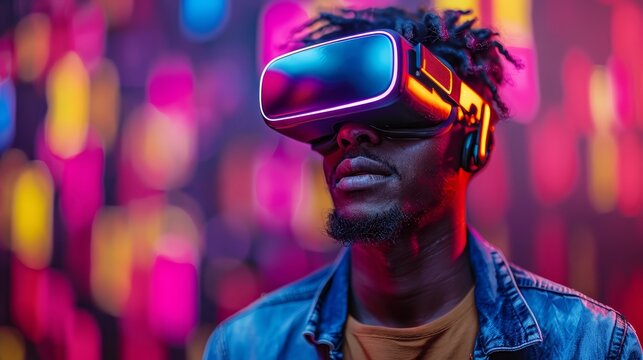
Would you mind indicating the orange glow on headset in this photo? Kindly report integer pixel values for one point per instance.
(428, 97)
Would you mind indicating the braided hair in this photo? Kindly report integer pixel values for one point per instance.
(474, 53)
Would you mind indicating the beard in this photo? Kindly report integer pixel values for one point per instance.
(384, 228)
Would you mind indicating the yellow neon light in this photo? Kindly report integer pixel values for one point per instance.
(603, 153)
(469, 97)
(68, 98)
(473, 5)
(513, 18)
(33, 215)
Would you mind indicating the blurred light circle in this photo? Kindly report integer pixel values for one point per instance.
(181, 238)
(105, 102)
(117, 12)
(173, 299)
(235, 284)
(202, 19)
(83, 336)
(161, 148)
(7, 113)
(12, 343)
(32, 219)
(170, 85)
(81, 185)
(309, 217)
(11, 164)
(278, 185)
(32, 45)
(68, 99)
(111, 260)
(88, 34)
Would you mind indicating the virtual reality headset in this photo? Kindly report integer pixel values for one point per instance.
(376, 78)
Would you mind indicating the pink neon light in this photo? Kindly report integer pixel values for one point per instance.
(554, 158)
(630, 174)
(277, 23)
(88, 34)
(83, 337)
(551, 254)
(624, 90)
(173, 299)
(576, 72)
(278, 186)
(27, 297)
(522, 94)
(82, 185)
(171, 85)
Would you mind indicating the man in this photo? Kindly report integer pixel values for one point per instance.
(403, 121)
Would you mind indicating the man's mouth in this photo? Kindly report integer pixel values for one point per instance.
(360, 173)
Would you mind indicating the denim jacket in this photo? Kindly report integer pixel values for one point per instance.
(520, 316)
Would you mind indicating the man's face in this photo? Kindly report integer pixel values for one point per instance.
(369, 176)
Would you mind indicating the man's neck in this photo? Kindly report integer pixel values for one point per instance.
(413, 282)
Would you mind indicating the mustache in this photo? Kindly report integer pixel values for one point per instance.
(367, 154)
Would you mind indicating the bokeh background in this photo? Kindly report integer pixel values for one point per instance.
(143, 201)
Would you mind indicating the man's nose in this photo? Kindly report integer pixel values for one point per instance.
(353, 134)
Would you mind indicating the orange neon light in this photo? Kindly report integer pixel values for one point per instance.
(484, 132)
(440, 108)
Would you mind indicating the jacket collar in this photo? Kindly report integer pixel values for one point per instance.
(506, 322)
(505, 319)
(327, 316)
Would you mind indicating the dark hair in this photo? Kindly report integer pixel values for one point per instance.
(474, 53)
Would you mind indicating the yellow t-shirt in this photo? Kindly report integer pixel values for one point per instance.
(450, 336)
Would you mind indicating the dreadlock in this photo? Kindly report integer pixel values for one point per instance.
(474, 53)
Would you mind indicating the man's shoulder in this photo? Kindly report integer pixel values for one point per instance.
(567, 316)
(538, 288)
(278, 316)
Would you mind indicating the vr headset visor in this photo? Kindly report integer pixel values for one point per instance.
(376, 78)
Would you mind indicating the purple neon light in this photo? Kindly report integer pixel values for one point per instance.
(339, 107)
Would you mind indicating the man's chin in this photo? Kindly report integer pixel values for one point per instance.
(349, 226)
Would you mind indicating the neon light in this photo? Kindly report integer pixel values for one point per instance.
(7, 113)
(426, 57)
(602, 172)
(630, 174)
(111, 260)
(473, 5)
(394, 81)
(68, 98)
(513, 19)
(601, 102)
(484, 130)
(468, 97)
(429, 97)
(105, 102)
(202, 20)
(33, 216)
(32, 37)
(12, 343)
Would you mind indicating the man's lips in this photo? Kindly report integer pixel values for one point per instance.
(359, 173)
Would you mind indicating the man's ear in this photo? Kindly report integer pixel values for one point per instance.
(472, 160)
